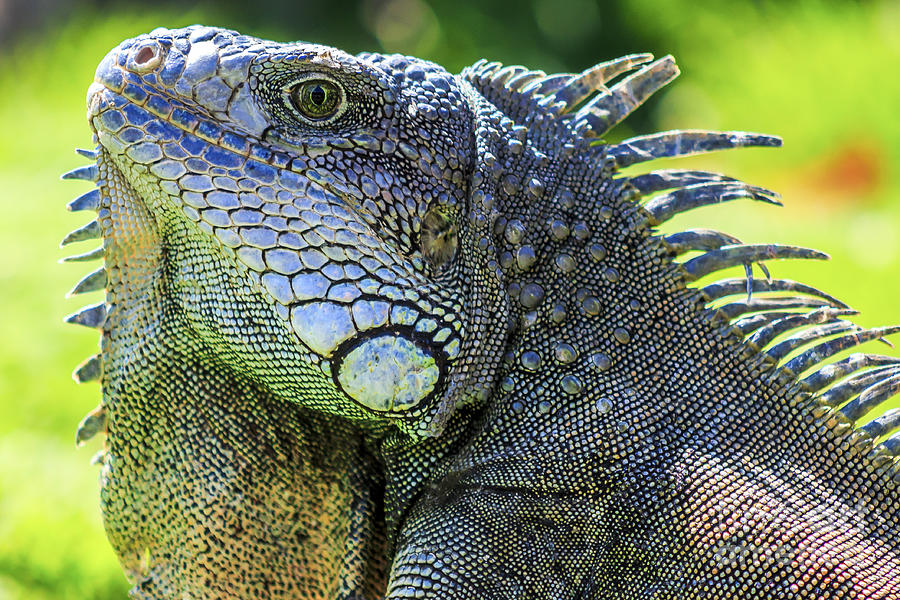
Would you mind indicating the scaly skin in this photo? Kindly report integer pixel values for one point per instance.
(425, 343)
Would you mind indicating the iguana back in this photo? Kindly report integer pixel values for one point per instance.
(371, 326)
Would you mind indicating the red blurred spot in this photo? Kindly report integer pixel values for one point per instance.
(854, 169)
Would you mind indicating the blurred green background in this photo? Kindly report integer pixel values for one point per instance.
(824, 75)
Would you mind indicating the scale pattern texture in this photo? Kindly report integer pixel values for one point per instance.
(372, 329)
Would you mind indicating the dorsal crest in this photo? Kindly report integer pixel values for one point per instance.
(787, 330)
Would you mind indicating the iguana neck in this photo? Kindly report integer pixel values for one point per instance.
(527, 202)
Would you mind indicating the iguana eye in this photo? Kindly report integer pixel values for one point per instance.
(316, 99)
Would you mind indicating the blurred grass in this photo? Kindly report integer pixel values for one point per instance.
(821, 74)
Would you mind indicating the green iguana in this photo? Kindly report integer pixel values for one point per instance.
(375, 330)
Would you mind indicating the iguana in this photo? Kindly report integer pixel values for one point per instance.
(375, 330)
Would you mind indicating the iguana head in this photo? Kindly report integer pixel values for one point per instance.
(304, 206)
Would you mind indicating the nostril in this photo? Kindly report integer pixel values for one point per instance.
(146, 57)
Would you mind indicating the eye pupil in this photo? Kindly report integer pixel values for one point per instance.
(316, 99)
(317, 95)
